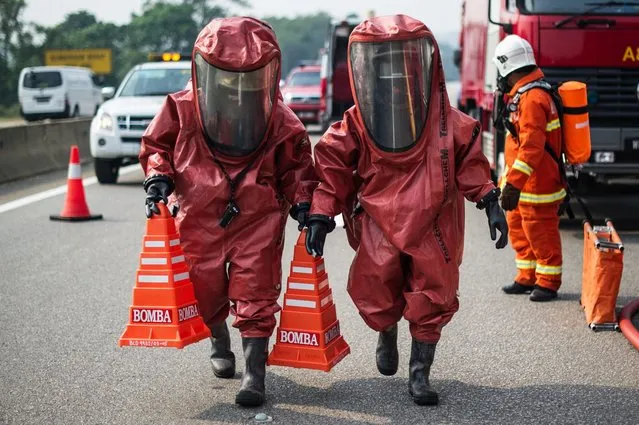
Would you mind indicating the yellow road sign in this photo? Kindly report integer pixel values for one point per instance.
(99, 60)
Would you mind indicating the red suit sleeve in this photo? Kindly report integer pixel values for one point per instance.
(158, 141)
(336, 157)
(472, 168)
(297, 178)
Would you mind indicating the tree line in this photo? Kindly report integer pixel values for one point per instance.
(161, 26)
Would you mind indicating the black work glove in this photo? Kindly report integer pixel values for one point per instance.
(318, 227)
(300, 212)
(510, 197)
(158, 188)
(496, 217)
(497, 221)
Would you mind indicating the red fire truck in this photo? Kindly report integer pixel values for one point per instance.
(593, 42)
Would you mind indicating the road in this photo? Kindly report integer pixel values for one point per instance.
(66, 288)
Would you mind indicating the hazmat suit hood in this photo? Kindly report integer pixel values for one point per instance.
(235, 80)
(398, 84)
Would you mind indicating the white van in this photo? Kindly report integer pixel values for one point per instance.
(58, 92)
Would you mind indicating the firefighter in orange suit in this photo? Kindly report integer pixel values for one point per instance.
(532, 184)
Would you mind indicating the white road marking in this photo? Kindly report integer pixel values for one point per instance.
(27, 200)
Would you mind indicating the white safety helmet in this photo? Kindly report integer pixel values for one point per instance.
(513, 53)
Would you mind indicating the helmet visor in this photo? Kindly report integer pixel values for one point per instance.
(392, 86)
(235, 107)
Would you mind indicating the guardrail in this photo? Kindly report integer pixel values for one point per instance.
(31, 149)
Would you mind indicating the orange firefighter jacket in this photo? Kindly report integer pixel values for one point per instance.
(529, 167)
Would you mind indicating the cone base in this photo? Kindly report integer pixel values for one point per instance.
(71, 218)
(296, 356)
(171, 336)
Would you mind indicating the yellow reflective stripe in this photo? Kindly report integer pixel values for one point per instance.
(502, 183)
(533, 198)
(550, 270)
(526, 264)
(553, 125)
(523, 167)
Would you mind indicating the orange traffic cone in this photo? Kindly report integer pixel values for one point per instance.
(308, 336)
(164, 312)
(75, 205)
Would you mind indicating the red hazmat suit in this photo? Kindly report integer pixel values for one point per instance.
(409, 231)
(240, 263)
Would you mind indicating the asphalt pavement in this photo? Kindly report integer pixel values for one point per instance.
(66, 288)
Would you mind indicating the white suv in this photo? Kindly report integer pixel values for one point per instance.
(117, 128)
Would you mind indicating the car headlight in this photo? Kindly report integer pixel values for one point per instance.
(288, 97)
(105, 122)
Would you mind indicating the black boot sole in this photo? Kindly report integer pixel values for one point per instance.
(521, 290)
(542, 298)
(387, 372)
(249, 399)
(224, 374)
(431, 399)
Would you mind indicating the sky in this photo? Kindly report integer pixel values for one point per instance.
(442, 16)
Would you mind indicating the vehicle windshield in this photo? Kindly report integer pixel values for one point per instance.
(304, 79)
(42, 79)
(571, 7)
(155, 82)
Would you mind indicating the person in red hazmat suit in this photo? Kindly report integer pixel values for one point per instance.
(236, 160)
(408, 159)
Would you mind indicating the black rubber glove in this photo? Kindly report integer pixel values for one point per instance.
(497, 221)
(510, 197)
(496, 218)
(300, 212)
(318, 227)
(158, 188)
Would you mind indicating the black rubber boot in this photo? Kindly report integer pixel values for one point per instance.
(517, 289)
(386, 355)
(251, 392)
(222, 358)
(421, 359)
(540, 294)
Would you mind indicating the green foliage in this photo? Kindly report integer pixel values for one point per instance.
(12, 111)
(300, 38)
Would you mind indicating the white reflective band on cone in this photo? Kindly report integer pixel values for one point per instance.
(174, 242)
(301, 286)
(75, 171)
(320, 267)
(154, 244)
(323, 285)
(305, 270)
(178, 259)
(153, 261)
(181, 276)
(146, 278)
(326, 300)
(301, 303)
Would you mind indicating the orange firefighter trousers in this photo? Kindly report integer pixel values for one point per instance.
(534, 235)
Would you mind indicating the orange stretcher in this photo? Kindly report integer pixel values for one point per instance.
(602, 269)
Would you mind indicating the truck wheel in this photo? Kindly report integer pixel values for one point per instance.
(107, 170)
